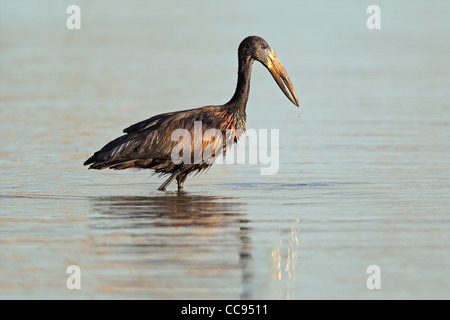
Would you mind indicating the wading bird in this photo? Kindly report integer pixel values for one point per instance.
(148, 144)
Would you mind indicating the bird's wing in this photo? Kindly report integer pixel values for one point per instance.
(147, 139)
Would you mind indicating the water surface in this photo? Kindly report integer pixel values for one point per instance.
(364, 163)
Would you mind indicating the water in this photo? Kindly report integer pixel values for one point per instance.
(364, 163)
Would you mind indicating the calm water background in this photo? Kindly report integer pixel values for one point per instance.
(364, 163)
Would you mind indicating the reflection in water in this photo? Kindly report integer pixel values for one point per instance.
(284, 263)
(245, 258)
(179, 241)
(170, 210)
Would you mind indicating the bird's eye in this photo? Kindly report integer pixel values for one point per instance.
(264, 46)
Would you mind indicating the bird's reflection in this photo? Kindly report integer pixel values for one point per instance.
(171, 210)
(198, 234)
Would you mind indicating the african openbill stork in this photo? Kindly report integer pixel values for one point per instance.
(148, 144)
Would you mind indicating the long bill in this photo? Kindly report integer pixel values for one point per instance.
(281, 77)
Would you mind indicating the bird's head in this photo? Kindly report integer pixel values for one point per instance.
(257, 48)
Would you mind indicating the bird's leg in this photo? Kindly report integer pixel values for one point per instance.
(180, 180)
(167, 182)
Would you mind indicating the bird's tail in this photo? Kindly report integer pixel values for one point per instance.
(114, 155)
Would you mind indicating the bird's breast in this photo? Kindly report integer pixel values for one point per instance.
(231, 125)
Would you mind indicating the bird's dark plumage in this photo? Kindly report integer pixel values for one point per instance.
(148, 144)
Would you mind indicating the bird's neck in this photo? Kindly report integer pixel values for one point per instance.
(239, 100)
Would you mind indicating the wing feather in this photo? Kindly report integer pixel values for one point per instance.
(145, 140)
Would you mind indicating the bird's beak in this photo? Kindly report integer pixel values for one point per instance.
(279, 74)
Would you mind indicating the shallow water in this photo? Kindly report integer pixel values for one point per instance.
(364, 165)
